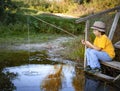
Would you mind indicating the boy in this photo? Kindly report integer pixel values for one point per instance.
(102, 48)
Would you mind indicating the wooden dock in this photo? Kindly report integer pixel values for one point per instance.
(114, 64)
(101, 76)
(105, 77)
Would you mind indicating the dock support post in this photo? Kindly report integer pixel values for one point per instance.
(86, 38)
(114, 25)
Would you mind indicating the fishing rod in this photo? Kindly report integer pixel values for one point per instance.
(54, 26)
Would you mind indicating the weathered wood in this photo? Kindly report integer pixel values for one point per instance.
(117, 78)
(117, 45)
(98, 14)
(101, 76)
(86, 38)
(113, 64)
(114, 25)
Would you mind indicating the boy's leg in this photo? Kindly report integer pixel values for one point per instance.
(87, 55)
(94, 62)
(102, 55)
(92, 59)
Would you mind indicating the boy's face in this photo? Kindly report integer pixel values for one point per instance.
(96, 32)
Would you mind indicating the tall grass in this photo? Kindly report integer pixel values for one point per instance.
(74, 49)
(18, 33)
(54, 6)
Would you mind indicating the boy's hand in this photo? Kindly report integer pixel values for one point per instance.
(86, 43)
(83, 42)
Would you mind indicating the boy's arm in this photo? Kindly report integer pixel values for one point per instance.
(90, 45)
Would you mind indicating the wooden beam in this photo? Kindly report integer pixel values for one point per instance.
(117, 45)
(101, 76)
(114, 25)
(112, 64)
(96, 15)
(117, 78)
(86, 38)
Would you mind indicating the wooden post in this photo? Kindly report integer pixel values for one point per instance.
(86, 38)
(114, 25)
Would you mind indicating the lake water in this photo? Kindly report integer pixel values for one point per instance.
(36, 77)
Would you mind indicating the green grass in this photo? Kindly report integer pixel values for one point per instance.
(21, 38)
(67, 24)
(74, 49)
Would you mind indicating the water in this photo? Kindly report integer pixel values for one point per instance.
(25, 82)
(55, 78)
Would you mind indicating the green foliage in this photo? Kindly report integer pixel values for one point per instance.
(7, 8)
(64, 23)
(104, 4)
(48, 6)
(5, 81)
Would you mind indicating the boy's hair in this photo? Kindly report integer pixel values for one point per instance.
(102, 33)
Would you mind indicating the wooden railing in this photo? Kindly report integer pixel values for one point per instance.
(98, 14)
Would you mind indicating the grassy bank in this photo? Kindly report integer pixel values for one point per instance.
(28, 28)
(25, 24)
(24, 38)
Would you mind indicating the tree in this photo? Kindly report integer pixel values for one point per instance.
(6, 6)
(1, 7)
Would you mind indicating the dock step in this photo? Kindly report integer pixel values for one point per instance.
(101, 76)
(112, 64)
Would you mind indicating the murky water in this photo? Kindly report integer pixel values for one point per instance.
(40, 68)
(38, 77)
(58, 77)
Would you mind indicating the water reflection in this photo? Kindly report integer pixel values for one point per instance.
(49, 78)
(54, 79)
(92, 84)
(78, 80)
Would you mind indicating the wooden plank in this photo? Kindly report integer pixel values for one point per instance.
(112, 64)
(114, 25)
(101, 76)
(117, 78)
(116, 81)
(117, 45)
(98, 14)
